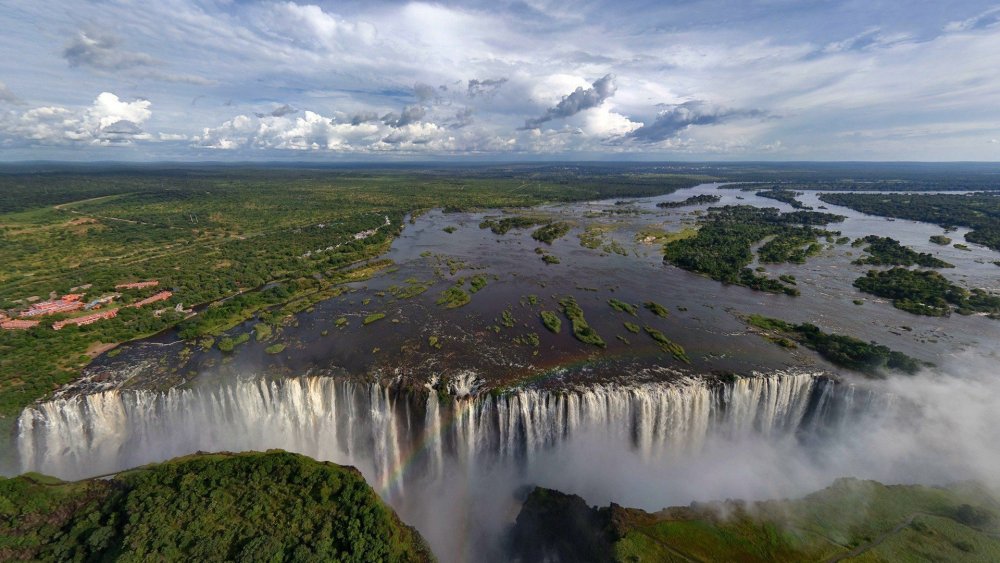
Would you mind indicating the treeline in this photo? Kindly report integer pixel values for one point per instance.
(846, 351)
(885, 251)
(924, 292)
(699, 199)
(979, 212)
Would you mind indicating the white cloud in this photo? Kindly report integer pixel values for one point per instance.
(109, 120)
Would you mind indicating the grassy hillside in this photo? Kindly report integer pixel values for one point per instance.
(852, 520)
(273, 506)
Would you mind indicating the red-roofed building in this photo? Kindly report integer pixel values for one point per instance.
(84, 321)
(161, 296)
(16, 324)
(52, 307)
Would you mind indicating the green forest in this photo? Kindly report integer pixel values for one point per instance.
(722, 247)
(272, 506)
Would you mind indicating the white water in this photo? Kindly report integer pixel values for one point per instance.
(386, 432)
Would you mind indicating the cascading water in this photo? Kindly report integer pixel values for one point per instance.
(395, 435)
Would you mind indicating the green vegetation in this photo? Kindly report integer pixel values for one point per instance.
(581, 330)
(632, 327)
(593, 237)
(940, 239)
(667, 345)
(980, 212)
(619, 305)
(275, 349)
(693, 200)
(262, 331)
(503, 226)
(551, 232)
(550, 259)
(656, 309)
(271, 506)
(477, 283)
(450, 229)
(454, 297)
(784, 196)
(507, 318)
(885, 251)
(926, 293)
(551, 321)
(722, 247)
(961, 246)
(240, 240)
(372, 318)
(845, 351)
(434, 342)
(852, 520)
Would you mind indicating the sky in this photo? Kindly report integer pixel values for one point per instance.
(240, 80)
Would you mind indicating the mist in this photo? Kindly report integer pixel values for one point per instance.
(455, 472)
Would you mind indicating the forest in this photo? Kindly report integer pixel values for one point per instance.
(272, 506)
(886, 251)
(925, 292)
(845, 351)
(722, 247)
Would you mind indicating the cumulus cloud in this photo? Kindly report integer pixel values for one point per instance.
(109, 120)
(487, 87)
(361, 132)
(102, 51)
(677, 117)
(577, 101)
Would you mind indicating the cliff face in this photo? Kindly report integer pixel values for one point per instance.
(848, 520)
(273, 506)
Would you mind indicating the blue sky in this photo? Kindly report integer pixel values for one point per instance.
(684, 80)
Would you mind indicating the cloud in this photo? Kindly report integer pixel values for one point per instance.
(424, 92)
(109, 120)
(102, 51)
(7, 96)
(410, 114)
(577, 101)
(981, 20)
(279, 112)
(678, 117)
(487, 87)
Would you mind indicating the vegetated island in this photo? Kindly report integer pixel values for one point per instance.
(869, 358)
(925, 292)
(980, 212)
(273, 506)
(722, 246)
(904, 523)
(785, 196)
(885, 251)
(699, 199)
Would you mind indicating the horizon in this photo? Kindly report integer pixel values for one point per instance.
(352, 82)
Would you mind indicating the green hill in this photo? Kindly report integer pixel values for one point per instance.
(273, 506)
(850, 521)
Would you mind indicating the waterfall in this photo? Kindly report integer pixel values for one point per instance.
(395, 434)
